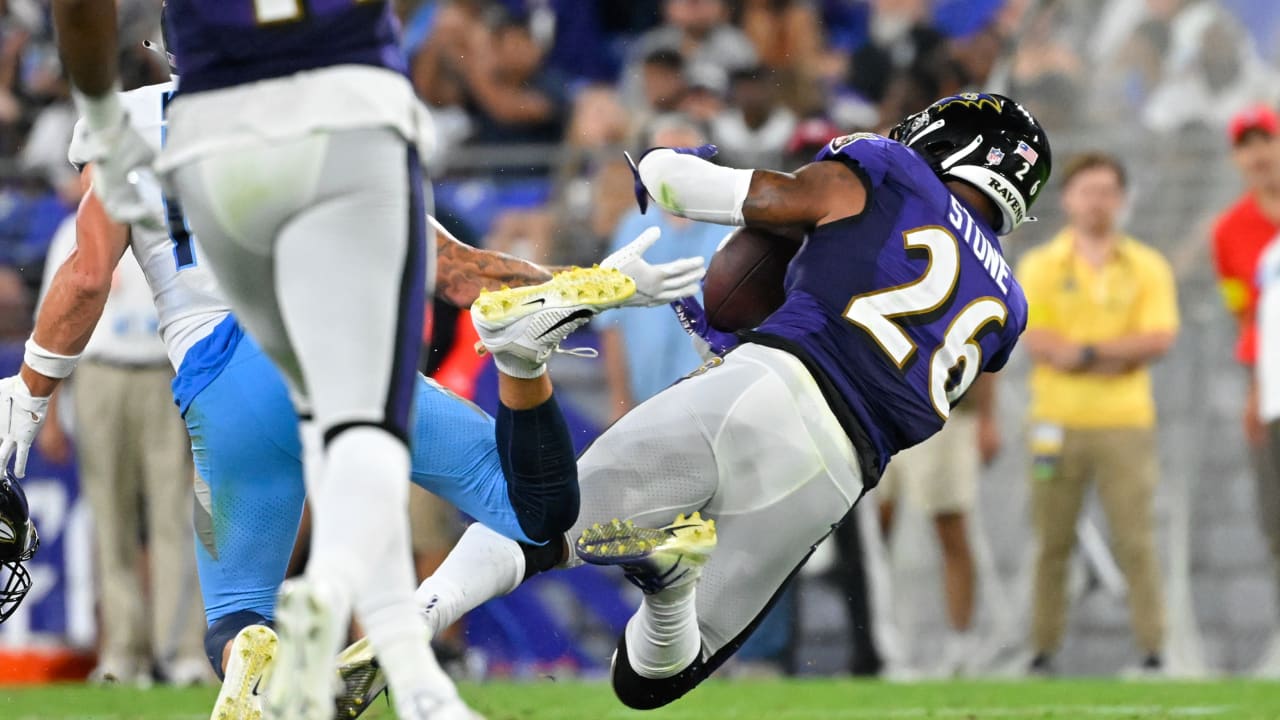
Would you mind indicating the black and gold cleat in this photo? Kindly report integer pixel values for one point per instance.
(653, 559)
(362, 680)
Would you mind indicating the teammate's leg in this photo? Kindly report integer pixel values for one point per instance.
(319, 243)
(350, 276)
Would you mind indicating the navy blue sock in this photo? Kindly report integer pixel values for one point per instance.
(537, 457)
(224, 630)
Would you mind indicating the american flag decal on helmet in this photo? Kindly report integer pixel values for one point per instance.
(1027, 152)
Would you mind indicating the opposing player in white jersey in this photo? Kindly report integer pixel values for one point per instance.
(296, 145)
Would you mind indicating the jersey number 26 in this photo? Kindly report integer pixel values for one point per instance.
(877, 312)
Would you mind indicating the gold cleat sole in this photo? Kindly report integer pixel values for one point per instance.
(622, 543)
(593, 287)
(253, 652)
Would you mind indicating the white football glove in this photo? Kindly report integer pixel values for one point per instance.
(21, 417)
(656, 284)
(121, 164)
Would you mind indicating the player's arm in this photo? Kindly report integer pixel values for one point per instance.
(87, 39)
(72, 306)
(816, 194)
(684, 183)
(463, 271)
(78, 292)
(88, 42)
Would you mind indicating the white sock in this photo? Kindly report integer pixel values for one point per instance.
(482, 566)
(312, 457)
(663, 637)
(358, 509)
(399, 635)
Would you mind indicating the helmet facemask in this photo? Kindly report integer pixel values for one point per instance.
(18, 544)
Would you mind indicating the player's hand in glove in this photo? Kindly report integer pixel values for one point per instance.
(694, 320)
(121, 162)
(706, 152)
(656, 284)
(21, 416)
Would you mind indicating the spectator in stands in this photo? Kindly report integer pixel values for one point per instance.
(939, 477)
(704, 100)
(1240, 235)
(662, 77)
(15, 306)
(1046, 72)
(700, 31)
(1211, 70)
(647, 350)
(1103, 308)
(900, 37)
(134, 460)
(753, 131)
(438, 40)
(788, 36)
(511, 96)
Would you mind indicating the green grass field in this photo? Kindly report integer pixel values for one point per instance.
(758, 700)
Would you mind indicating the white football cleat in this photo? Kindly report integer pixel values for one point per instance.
(253, 653)
(304, 682)
(523, 326)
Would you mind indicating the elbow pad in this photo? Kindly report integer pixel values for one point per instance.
(693, 188)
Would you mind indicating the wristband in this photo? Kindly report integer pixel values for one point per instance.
(103, 112)
(49, 364)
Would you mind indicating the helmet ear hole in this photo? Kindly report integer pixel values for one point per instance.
(939, 148)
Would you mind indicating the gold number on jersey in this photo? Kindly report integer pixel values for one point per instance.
(877, 312)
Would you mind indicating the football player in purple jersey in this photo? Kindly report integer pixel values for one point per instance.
(898, 297)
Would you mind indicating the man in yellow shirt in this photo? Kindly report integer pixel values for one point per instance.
(1102, 308)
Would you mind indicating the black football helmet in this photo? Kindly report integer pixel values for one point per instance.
(987, 141)
(165, 47)
(18, 544)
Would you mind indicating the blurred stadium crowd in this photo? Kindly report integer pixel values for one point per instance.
(535, 100)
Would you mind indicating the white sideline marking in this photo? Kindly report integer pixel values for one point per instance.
(981, 713)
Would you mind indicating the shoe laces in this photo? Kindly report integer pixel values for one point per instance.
(581, 352)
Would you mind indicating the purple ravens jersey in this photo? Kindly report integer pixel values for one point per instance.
(898, 309)
(220, 43)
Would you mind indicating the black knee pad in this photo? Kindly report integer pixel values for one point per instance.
(224, 630)
(642, 693)
(541, 558)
